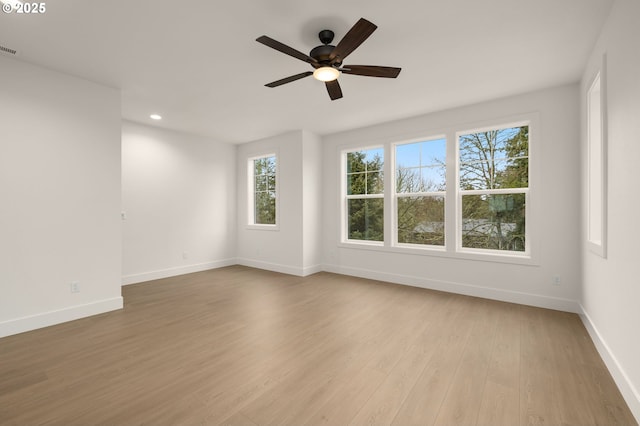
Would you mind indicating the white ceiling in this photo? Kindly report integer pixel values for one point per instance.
(198, 65)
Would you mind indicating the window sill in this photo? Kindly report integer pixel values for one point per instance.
(263, 227)
(434, 251)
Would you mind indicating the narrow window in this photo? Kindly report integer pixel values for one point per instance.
(263, 193)
(420, 181)
(364, 194)
(493, 188)
(596, 212)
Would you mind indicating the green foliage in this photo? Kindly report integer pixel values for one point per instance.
(364, 176)
(494, 221)
(366, 215)
(420, 219)
(264, 175)
(366, 219)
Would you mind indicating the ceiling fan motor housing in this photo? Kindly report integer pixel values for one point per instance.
(321, 53)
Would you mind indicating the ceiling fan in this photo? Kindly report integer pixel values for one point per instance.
(327, 59)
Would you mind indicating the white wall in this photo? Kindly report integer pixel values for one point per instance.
(178, 195)
(556, 195)
(293, 247)
(611, 286)
(60, 195)
(312, 202)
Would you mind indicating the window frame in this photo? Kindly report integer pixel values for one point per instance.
(251, 192)
(597, 163)
(344, 229)
(450, 250)
(459, 248)
(396, 195)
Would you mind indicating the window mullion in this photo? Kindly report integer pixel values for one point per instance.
(451, 225)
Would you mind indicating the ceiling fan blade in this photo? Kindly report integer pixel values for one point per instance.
(333, 87)
(289, 79)
(354, 38)
(371, 70)
(274, 44)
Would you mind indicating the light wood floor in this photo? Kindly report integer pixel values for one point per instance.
(240, 346)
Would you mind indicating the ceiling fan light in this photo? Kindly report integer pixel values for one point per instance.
(326, 74)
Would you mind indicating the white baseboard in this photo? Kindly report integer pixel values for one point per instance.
(310, 270)
(536, 300)
(179, 270)
(45, 319)
(627, 389)
(276, 267)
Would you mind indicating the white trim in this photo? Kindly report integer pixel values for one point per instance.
(46, 319)
(284, 269)
(263, 227)
(363, 196)
(556, 303)
(629, 392)
(172, 272)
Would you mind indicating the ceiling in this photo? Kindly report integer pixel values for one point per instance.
(198, 65)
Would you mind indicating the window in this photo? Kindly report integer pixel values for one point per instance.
(263, 192)
(596, 166)
(364, 194)
(420, 185)
(462, 193)
(493, 182)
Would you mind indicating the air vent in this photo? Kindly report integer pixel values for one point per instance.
(8, 50)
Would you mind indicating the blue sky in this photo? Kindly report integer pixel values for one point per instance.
(426, 153)
(430, 155)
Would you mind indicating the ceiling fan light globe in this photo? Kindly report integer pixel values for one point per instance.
(326, 74)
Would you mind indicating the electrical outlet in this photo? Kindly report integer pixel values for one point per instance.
(123, 215)
(555, 280)
(185, 254)
(74, 286)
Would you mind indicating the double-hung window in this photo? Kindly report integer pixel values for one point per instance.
(262, 187)
(493, 189)
(420, 190)
(364, 194)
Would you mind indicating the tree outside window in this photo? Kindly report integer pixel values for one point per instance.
(420, 192)
(264, 190)
(493, 184)
(365, 194)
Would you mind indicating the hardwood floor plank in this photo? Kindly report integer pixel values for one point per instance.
(538, 382)
(450, 334)
(464, 397)
(500, 405)
(500, 396)
(348, 399)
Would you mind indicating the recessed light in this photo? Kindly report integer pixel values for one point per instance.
(155, 117)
